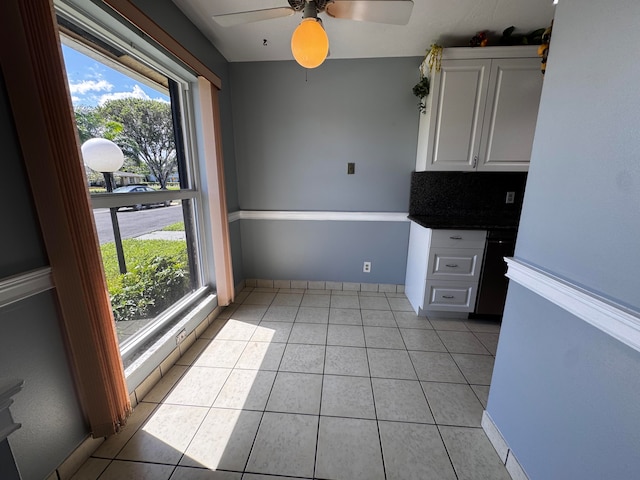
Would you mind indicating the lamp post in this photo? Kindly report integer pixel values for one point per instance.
(104, 156)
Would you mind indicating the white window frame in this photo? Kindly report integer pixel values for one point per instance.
(101, 24)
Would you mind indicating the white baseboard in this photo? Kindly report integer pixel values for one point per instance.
(320, 285)
(502, 448)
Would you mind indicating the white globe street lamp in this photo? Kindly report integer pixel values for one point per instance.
(104, 156)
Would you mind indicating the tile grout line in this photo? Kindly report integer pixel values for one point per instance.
(366, 347)
(373, 396)
(324, 362)
(157, 405)
(435, 421)
(419, 381)
(454, 360)
(217, 395)
(264, 410)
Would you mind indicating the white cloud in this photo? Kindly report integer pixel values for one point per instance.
(136, 92)
(74, 99)
(90, 86)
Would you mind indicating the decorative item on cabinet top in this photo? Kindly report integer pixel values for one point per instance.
(485, 38)
(543, 49)
(431, 62)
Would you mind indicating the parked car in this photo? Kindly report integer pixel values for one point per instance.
(141, 188)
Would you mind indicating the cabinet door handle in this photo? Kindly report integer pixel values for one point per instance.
(452, 265)
(456, 237)
(475, 161)
(448, 296)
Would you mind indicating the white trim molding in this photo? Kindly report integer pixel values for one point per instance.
(234, 216)
(616, 320)
(319, 216)
(18, 287)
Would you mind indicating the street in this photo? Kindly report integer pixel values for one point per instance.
(133, 224)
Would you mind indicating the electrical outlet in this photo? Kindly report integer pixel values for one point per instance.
(511, 197)
(367, 267)
(181, 336)
(351, 168)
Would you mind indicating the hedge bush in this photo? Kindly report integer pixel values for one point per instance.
(157, 276)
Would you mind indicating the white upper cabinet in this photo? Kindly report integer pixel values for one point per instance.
(511, 114)
(458, 114)
(482, 112)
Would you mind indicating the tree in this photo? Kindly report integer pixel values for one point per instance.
(92, 124)
(147, 133)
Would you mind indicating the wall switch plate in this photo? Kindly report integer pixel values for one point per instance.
(181, 336)
(351, 168)
(511, 197)
(367, 267)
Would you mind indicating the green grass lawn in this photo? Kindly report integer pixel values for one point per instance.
(138, 252)
(174, 227)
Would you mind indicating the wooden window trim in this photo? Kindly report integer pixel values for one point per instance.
(33, 69)
(141, 20)
(216, 195)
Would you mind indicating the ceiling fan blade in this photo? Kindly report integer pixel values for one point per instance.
(394, 12)
(232, 19)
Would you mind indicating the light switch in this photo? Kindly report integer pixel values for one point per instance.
(351, 168)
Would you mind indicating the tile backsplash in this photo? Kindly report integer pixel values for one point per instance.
(463, 194)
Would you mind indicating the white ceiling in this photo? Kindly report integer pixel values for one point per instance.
(447, 22)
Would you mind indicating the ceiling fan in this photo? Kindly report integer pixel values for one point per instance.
(309, 43)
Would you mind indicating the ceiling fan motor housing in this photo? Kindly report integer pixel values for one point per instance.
(316, 6)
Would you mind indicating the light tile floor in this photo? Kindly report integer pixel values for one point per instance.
(316, 384)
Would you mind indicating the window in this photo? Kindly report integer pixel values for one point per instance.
(148, 211)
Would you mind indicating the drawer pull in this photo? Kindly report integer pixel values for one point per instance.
(456, 237)
(448, 296)
(452, 265)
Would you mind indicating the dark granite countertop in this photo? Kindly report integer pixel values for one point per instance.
(465, 222)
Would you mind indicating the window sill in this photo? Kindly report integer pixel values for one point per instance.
(150, 359)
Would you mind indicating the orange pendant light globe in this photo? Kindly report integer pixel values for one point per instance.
(309, 43)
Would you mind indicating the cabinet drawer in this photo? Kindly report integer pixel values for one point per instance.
(454, 263)
(450, 296)
(458, 238)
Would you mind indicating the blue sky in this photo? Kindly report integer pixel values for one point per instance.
(92, 83)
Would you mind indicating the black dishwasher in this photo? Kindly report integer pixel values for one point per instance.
(492, 289)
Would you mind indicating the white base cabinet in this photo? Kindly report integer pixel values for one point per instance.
(443, 269)
(482, 110)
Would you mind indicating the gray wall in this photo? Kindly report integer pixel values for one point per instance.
(22, 249)
(295, 131)
(581, 214)
(31, 347)
(325, 251)
(564, 394)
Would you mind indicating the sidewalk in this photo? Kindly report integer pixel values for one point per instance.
(163, 235)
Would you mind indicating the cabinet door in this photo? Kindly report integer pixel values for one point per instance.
(511, 114)
(456, 114)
